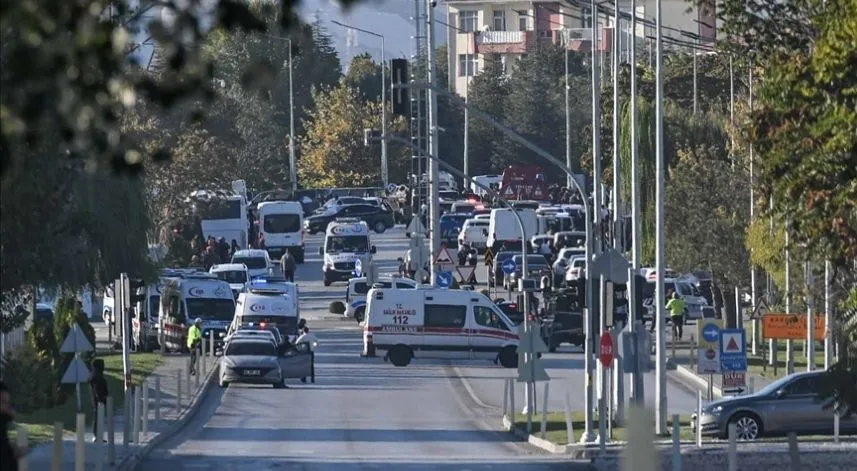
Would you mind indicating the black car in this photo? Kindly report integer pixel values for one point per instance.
(379, 218)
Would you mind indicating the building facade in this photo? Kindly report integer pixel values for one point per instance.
(511, 28)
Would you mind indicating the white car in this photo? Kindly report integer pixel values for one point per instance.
(236, 274)
(258, 261)
(560, 265)
(576, 269)
(473, 233)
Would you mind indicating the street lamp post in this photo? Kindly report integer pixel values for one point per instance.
(293, 171)
(385, 176)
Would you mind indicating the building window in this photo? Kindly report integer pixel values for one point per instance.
(499, 21)
(586, 17)
(467, 65)
(523, 22)
(468, 20)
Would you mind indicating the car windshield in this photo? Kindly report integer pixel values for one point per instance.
(216, 309)
(282, 223)
(348, 244)
(566, 254)
(232, 276)
(361, 287)
(253, 263)
(251, 348)
(154, 306)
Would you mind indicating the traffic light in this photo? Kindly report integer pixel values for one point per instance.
(136, 291)
(401, 97)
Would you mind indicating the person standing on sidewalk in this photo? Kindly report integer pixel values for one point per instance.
(9, 452)
(98, 390)
(676, 307)
(287, 264)
(194, 341)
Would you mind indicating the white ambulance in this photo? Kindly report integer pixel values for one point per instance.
(346, 241)
(200, 295)
(266, 306)
(355, 294)
(439, 323)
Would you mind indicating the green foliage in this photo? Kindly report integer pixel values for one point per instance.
(67, 313)
(43, 341)
(365, 75)
(31, 379)
(487, 92)
(179, 251)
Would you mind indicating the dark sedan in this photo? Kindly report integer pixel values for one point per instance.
(379, 218)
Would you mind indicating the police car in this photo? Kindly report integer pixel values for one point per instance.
(355, 294)
(438, 323)
(346, 241)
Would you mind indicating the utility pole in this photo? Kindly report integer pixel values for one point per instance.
(660, 302)
(809, 281)
(617, 21)
(635, 164)
(385, 172)
(754, 321)
(789, 343)
(567, 111)
(591, 337)
(828, 317)
(434, 208)
(293, 163)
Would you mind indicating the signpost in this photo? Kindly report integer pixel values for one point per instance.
(733, 350)
(509, 266)
(443, 279)
(605, 352)
(734, 383)
(444, 260)
(708, 356)
(489, 257)
(781, 326)
(467, 274)
(358, 268)
(530, 369)
(77, 372)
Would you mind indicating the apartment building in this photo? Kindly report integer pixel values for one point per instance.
(510, 28)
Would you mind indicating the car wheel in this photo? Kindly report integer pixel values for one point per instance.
(509, 357)
(400, 355)
(747, 426)
(327, 282)
(224, 384)
(380, 227)
(359, 313)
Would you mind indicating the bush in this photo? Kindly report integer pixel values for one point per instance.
(42, 340)
(336, 307)
(68, 313)
(31, 380)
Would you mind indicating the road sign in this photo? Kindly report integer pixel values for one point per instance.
(734, 383)
(641, 355)
(733, 351)
(509, 191)
(416, 226)
(467, 274)
(489, 257)
(530, 368)
(358, 268)
(443, 279)
(605, 352)
(790, 326)
(613, 265)
(77, 372)
(708, 354)
(444, 257)
(509, 266)
(76, 341)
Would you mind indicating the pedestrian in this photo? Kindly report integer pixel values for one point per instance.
(9, 452)
(312, 341)
(287, 264)
(98, 391)
(194, 342)
(676, 306)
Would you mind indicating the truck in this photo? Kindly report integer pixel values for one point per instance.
(524, 182)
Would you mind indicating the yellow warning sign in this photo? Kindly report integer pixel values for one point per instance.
(489, 257)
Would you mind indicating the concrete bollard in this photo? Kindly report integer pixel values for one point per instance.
(145, 413)
(189, 384)
(80, 444)
(204, 363)
(23, 443)
(111, 433)
(640, 453)
(99, 441)
(178, 391)
(198, 370)
(732, 451)
(698, 417)
(544, 429)
(138, 406)
(676, 442)
(794, 453)
(211, 343)
(157, 399)
(751, 385)
(836, 427)
(569, 419)
(56, 454)
(513, 411)
(505, 397)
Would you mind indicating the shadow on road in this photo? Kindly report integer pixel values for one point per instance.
(258, 435)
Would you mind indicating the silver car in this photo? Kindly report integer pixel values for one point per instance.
(252, 361)
(791, 404)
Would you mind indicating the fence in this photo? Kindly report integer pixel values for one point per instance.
(12, 341)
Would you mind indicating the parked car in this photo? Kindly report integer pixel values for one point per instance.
(379, 218)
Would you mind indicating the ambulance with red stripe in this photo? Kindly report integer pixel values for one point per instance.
(438, 323)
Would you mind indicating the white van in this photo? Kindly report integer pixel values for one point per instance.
(355, 294)
(270, 306)
(199, 295)
(289, 288)
(236, 274)
(345, 241)
(282, 222)
(503, 227)
(439, 323)
(473, 233)
(257, 261)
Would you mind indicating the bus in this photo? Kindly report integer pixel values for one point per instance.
(223, 215)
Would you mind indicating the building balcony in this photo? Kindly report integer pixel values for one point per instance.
(580, 39)
(503, 42)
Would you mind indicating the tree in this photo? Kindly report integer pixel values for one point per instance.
(487, 92)
(333, 150)
(450, 117)
(802, 128)
(365, 75)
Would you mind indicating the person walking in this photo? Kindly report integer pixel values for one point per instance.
(676, 307)
(312, 341)
(98, 389)
(9, 452)
(287, 264)
(194, 342)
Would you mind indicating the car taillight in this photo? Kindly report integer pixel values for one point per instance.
(262, 325)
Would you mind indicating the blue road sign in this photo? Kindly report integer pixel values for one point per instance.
(443, 279)
(711, 332)
(733, 350)
(509, 266)
(358, 268)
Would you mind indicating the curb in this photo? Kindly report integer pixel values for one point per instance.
(697, 380)
(130, 462)
(537, 442)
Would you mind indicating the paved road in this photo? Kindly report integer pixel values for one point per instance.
(361, 414)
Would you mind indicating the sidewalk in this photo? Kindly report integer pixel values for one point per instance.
(171, 416)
